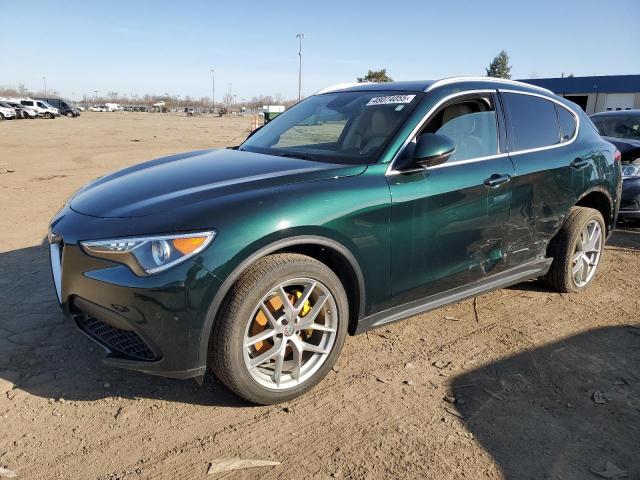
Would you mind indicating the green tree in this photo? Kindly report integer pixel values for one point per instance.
(499, 67)
(376, 76)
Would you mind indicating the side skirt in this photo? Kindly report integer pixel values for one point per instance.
(504, 279)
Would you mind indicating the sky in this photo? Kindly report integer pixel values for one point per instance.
(156, 47)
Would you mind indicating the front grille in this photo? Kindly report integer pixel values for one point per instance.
(123, 341)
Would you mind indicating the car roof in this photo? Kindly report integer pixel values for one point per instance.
(617, 113)
(429, 85)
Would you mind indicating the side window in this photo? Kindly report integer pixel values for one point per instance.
(471, 125)
(41, 105)
(532, 122)
(27, 103)
(567, 123)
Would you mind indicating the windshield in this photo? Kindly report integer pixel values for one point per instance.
(618, 126)
(347, 127)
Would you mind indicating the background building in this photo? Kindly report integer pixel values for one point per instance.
(595, 94)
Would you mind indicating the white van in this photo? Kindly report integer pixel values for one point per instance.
(113, 107)
(41, 107)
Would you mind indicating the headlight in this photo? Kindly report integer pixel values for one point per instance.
(149, 255)
(630, 171)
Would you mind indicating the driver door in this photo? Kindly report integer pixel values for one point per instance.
(447, 220)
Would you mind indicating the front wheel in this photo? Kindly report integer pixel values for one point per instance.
(577, 251)
(48, 115)
(69, 114)
(280, 329)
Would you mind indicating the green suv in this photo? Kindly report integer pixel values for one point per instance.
(361, 205)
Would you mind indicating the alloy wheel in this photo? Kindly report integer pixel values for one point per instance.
(587, 253)
(290, 334)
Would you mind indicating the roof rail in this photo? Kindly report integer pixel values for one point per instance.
(450, 80)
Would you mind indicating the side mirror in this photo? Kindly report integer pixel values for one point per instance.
(432, 149)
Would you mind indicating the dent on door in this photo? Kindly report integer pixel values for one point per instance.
(446, 227)
(544, 190)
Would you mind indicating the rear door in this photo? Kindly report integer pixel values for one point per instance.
(443, 218)
(545, 162)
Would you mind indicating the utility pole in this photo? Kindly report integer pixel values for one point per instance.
(44, 80)
(213, 90)
(300, 36)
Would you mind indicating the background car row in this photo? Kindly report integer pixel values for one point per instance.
(50, 107)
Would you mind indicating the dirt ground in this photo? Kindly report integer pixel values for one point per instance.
(525, 383)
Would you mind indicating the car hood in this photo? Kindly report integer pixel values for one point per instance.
(625, 145)
(171, 182)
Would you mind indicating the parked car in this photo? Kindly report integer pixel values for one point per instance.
(21, 110)
(359, 206)
(64, 106)
(99, 108)
(622, 128)
(7, 112)
(41, 107)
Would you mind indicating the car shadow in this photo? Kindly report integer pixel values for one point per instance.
(43, 353)
(559, 411)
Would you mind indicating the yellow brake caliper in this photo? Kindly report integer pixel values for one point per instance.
(274, 304)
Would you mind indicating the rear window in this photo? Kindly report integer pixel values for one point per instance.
(618, 126)
(533, 122)
(567, 123)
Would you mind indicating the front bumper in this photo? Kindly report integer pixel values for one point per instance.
(149, 324)
(630, 199)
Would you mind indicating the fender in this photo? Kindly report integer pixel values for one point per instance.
(613, 205)
(264, 251)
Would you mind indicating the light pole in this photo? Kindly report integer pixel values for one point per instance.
(213, 90)
(300, 36)
(96, 92)
(44, 80)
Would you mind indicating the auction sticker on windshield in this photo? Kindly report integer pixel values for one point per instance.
(390, 100)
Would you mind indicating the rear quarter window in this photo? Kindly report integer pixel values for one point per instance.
(567, 123)
(532, 122)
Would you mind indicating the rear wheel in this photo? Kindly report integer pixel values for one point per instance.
(1, 116)
(280, 329)
(576, 250)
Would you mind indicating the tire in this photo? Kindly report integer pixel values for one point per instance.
(568, 274)
(48, 115)
(69, 114)
(1, 117)
(240, 313)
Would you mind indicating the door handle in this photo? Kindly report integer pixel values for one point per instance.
(496, 180)
(579, 163)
